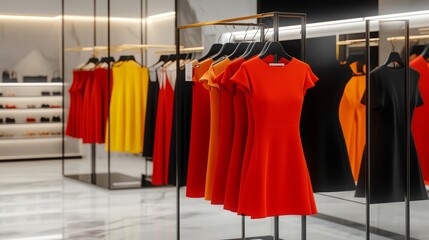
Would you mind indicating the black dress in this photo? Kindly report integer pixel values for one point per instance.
(151, 105)
(182, 107)
(388, 146)
(322, 137)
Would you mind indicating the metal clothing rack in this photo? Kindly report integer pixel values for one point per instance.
(275, 16)
(368, 126)
(110, 180)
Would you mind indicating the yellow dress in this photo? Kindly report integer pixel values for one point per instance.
(128, 107)
(352, 119)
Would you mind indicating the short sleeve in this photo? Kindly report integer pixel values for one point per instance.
(242, 79)
(310, 79)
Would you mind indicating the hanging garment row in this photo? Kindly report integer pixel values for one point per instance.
(245, 150)
(91, 101)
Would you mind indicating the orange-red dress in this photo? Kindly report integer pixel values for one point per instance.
(164, 123)
(277, 181)
(420, 127)
(208, 81)
(232, 185)
(200, 134)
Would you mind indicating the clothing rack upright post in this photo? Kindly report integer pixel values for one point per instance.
(407, 128)
(93, 146)
(276, 24)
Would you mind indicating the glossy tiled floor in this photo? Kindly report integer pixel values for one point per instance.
(37, 203)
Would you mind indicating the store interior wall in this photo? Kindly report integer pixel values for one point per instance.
(192, 11)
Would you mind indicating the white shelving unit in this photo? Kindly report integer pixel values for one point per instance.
(31, 123)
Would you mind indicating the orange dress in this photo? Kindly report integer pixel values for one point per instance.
(208, 80)
(277, 181)
(200, 133)
(352, 119)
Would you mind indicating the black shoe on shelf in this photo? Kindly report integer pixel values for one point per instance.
(56, 119)
(46, 93)
(1, 105)
(10, 120)
(45, 105)
(1, 120)
(44, 119)
(56, 93)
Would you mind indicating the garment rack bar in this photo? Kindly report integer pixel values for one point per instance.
(229, 21)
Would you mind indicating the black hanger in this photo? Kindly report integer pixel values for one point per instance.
(239, 50)
(127, 58)
(425, 53)
(394, 57)
(226, 50)
(215, 48)
(359, 57)
(182, 56)
(93, 60)
(107, 59)
(275, 48)
(255, 50)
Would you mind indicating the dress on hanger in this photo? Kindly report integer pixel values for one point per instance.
(87, 128)
(239, 135)
(182, 107)
(352, 117)
(277, 181)
(200, 133)
(164, 126)
(388, 146)
(208, 81)
(151, 106)
(100, 98)
(226, 131)
(128, 107)
(324, 145)
(72, 127)
(420, 127)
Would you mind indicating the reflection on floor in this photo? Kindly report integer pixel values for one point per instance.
(37, 203)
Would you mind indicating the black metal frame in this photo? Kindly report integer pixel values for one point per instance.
(276, 25)
(368, 127)
(104, 180)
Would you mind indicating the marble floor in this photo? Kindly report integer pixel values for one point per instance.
(37, 203)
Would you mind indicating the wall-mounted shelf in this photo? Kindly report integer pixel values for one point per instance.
(33, 140)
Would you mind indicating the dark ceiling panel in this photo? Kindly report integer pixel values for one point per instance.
(325, 10)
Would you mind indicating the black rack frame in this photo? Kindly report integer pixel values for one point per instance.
(105, 180)
(368, 125)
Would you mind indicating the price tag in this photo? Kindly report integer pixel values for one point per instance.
(188, 72)
(276, 64)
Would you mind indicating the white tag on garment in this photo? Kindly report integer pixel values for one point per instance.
(276, 64)
(188, 72)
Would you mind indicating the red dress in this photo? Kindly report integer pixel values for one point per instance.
(163, 127)
(277, 181)
(419, 125)
(79, 93)
(100, 98)
(232, 187)
(71, 119)
(200, 134)
(226, 131)
(87, 130)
